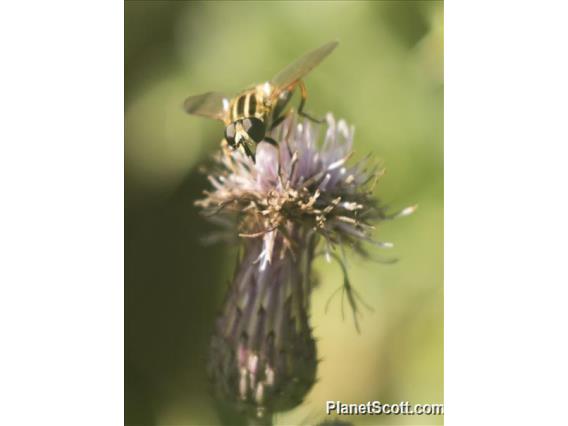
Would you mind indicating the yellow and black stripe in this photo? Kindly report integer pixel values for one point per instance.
(244, 105)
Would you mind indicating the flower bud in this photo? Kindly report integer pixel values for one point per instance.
(263, 355)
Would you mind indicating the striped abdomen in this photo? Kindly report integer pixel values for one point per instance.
(246, 105)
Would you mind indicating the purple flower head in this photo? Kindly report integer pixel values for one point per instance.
(299, 183)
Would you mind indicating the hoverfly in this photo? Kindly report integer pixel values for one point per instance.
(250, 114)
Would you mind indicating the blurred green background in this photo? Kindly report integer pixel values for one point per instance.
(386, 78)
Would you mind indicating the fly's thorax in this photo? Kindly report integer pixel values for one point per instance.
(264, 94)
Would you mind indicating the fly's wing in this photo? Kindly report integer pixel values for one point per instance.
(299, 68)
(209, 105)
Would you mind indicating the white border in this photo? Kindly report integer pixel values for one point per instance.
(61, 220)
(506, 158)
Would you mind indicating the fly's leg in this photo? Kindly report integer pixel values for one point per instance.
(250, 154)
(304, 94)
(278, 120)
(277, 115)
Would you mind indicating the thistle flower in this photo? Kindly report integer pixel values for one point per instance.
(295, 198)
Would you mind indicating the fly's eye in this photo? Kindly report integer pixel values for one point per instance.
(255, 128)
(230, 133)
